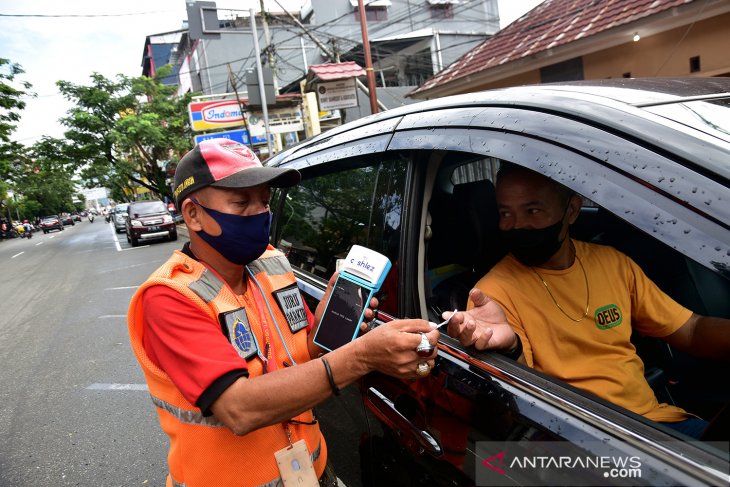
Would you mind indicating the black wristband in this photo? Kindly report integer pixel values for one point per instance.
(516, 352)
(330, 377)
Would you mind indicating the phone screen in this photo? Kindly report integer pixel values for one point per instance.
(342, 316)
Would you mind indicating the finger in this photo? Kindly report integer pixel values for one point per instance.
(478, 297)
(483, 341)
(412, 326)
(333, 278)
(433, 337)
(469, 334)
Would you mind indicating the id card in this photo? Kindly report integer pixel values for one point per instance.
(295, 466)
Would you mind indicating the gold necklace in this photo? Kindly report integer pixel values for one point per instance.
(588, 294)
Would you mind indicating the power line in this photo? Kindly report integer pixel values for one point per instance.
(397, 16)
(56, 16)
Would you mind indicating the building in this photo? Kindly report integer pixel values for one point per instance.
(561, 40)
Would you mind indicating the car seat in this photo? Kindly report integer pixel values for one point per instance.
(465, 242)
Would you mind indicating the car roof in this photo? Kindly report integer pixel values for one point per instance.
(631, 106)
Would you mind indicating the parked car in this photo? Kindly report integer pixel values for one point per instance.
(651, 160)
(67, 219)
(119, 216)
(76, 217)
(148, 220)
(51, 222)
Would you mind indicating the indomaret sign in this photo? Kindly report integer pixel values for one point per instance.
(209, 115)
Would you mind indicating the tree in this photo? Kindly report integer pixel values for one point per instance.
(11, 101)
(11, 104)
(126, 130)
(45, 179)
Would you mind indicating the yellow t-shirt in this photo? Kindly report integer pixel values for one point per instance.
(595, 354)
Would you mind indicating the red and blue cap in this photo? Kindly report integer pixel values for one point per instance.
(224, 163)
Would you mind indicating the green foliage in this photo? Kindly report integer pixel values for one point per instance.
(12, 92)
(44, 178)
(120, 134)
(11, 102)
(123, 132)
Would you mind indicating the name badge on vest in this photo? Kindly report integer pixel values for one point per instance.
(291, 304)
(237, 329)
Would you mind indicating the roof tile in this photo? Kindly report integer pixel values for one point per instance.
(332, 71)
(551, 24)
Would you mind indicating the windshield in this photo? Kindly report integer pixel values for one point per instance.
(711, 117)
(148, 208)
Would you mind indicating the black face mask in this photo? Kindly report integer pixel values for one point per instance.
(534, 247)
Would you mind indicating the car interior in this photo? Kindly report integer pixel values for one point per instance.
(462, 202)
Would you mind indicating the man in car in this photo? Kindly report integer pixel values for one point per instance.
(225, 339)
(567, 308)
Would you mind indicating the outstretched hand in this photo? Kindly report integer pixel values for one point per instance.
(484, 326)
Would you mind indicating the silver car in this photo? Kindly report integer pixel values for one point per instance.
(120, 215)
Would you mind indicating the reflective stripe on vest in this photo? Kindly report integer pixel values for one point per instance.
(273, 266)
(207, 286)
(188, 417)
(202, 450)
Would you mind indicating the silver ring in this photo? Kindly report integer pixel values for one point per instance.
(424, 345)
(423, 369)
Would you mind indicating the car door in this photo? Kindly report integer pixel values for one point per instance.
(632, 183)
(450, 428)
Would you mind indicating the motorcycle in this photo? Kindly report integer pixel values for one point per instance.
(91, 218)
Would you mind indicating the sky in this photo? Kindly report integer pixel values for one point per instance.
(106, 37)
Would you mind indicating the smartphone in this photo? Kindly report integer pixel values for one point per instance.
(360, 277)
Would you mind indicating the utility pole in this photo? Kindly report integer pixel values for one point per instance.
(269, 48)
(368, 60)
(232, 79)
(259, 69)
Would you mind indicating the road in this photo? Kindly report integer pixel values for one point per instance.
(74, 409)
(74, 406)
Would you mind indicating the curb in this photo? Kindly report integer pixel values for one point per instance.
(182, 231)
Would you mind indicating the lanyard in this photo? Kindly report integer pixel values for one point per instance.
(268, 351)
(260, 301)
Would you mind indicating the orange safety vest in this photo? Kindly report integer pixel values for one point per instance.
(203, 451)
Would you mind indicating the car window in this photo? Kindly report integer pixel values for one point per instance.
(326, 214)
(147, 208)
(463, 201)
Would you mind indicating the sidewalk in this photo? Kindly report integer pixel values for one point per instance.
(182, 231)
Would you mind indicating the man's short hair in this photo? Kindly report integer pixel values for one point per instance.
(510, 168)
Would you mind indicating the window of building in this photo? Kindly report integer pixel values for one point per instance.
(570, 70)
(373, 14)
(441, 11)
(694, 64)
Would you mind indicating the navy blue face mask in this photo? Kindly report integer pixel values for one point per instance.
(242, 238)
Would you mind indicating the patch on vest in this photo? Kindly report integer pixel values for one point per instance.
(237, 329)
(608, 316)
(291, 304)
